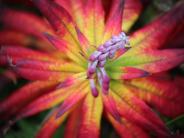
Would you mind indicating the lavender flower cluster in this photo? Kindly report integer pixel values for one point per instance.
(98, 59)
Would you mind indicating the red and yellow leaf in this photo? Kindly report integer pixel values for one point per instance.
(114, 19)
(137, 104)
(162, 92)
(149, 60)
(127, 73)
(72, 100)
(132, 10)
(58, 66)
(169, 25)
(50, 125)
(73, 123)
(90, 117)
(127, 129)
(133, 116)
(48, 100)
(75, 9)
(25, 95)
(94, 21)
(10, 37)
(27, 22)
(17, 52)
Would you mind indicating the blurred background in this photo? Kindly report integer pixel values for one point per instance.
(27, 128)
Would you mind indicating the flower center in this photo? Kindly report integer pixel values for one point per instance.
(98, 59)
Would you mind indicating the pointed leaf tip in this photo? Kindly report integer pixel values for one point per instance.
(110, 105)
(71, 101)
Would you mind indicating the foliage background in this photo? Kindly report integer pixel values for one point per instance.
(28, 127)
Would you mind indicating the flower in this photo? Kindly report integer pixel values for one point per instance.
(72, 66)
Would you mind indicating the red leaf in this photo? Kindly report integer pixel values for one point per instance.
(114, 19)
(73, 123)
(134, 117)
(76, 9)
(71, 101)
(132, 10)
(90, 118)
(169, 25)
(10, 37)
(50, 125)
(127, 129)
(164, 93)
(24, 95)
(110, 106)
(47, 101)
(27, 22)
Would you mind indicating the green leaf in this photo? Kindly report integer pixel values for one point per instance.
(177, 122)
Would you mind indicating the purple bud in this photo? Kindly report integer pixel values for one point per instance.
(101, 48)
(94, 91)
(93, 88)
(103, 56)
(98, 59)
(105, 86)
(94, 56)
(104, 91)
(91, 70)
(107, 49)
(108, 43)
(116, 39)
(101, 63)
(106, 79)
(89, 75)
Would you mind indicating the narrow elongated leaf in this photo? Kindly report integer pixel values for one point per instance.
(84, 43)
(114, 19)
(75, 9)
(27, 22)
(35, 74)
(165, 106)
(72, 100)
(49, 9)
(10, 37)
(49, 66)
(169, 25)
(132, 10)
(127, 73)
(94, 21)
(164, 93)
(50, 125)
(64, 25)
(24, 95)
(60, 19)
(137, 104)
(127, 129)
(152, 61)
(12, 52)
(134, 117)
(65, 47)
(73, 123)
(90, 117)
(110, 106)
(119, 127)
(47, 101)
